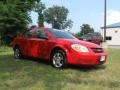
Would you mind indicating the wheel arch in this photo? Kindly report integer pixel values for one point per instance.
(16, 46)
(57, 48)
(65, 50)
(65, 55)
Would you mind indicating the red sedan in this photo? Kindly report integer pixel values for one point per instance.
(57, 46)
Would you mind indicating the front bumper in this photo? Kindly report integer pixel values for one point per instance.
(90, 58)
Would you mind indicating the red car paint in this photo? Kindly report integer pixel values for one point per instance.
(43, 47)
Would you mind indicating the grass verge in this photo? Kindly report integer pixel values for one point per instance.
(32, 75)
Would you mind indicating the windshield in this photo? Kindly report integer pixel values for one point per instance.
(87, 36)
(61, 34)
(97, 34)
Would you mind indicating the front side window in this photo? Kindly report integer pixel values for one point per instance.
(40, 34)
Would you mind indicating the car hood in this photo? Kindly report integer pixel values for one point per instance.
(76, 41)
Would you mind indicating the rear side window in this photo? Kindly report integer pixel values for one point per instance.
(28, 34)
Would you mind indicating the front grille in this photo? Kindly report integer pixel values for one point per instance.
(97, 50)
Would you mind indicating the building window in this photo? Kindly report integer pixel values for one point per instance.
(108, 38)
(116, 31)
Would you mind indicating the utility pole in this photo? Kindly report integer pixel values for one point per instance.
(105, 13)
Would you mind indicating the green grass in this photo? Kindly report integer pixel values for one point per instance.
(32, 75)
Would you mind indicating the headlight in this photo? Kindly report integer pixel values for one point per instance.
(79, 48)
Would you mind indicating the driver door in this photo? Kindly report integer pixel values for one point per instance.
(38, 44)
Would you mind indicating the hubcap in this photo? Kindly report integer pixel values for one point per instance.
(17, 53)
(58, 59)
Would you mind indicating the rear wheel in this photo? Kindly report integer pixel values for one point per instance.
(17, 53)
(59, 59)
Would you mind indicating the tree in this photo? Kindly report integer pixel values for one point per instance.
(85, 28)
(57, 16)
(40, 10)
(15, 17)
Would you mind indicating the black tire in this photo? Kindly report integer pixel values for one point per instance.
(17, 53)
(58, 59)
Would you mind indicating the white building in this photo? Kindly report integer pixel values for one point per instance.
(112, 35)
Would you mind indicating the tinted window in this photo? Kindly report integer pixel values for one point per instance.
(108, 38)
(40, 33)
(61, 34)
(97, 34)
(87, 36)
(28, 34)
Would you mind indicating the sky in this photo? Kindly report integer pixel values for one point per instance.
(86, 12)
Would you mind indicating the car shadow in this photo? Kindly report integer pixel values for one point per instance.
(87, 68)
(42, 61)
(73, 67)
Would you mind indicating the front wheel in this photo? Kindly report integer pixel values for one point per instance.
(59, 59)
